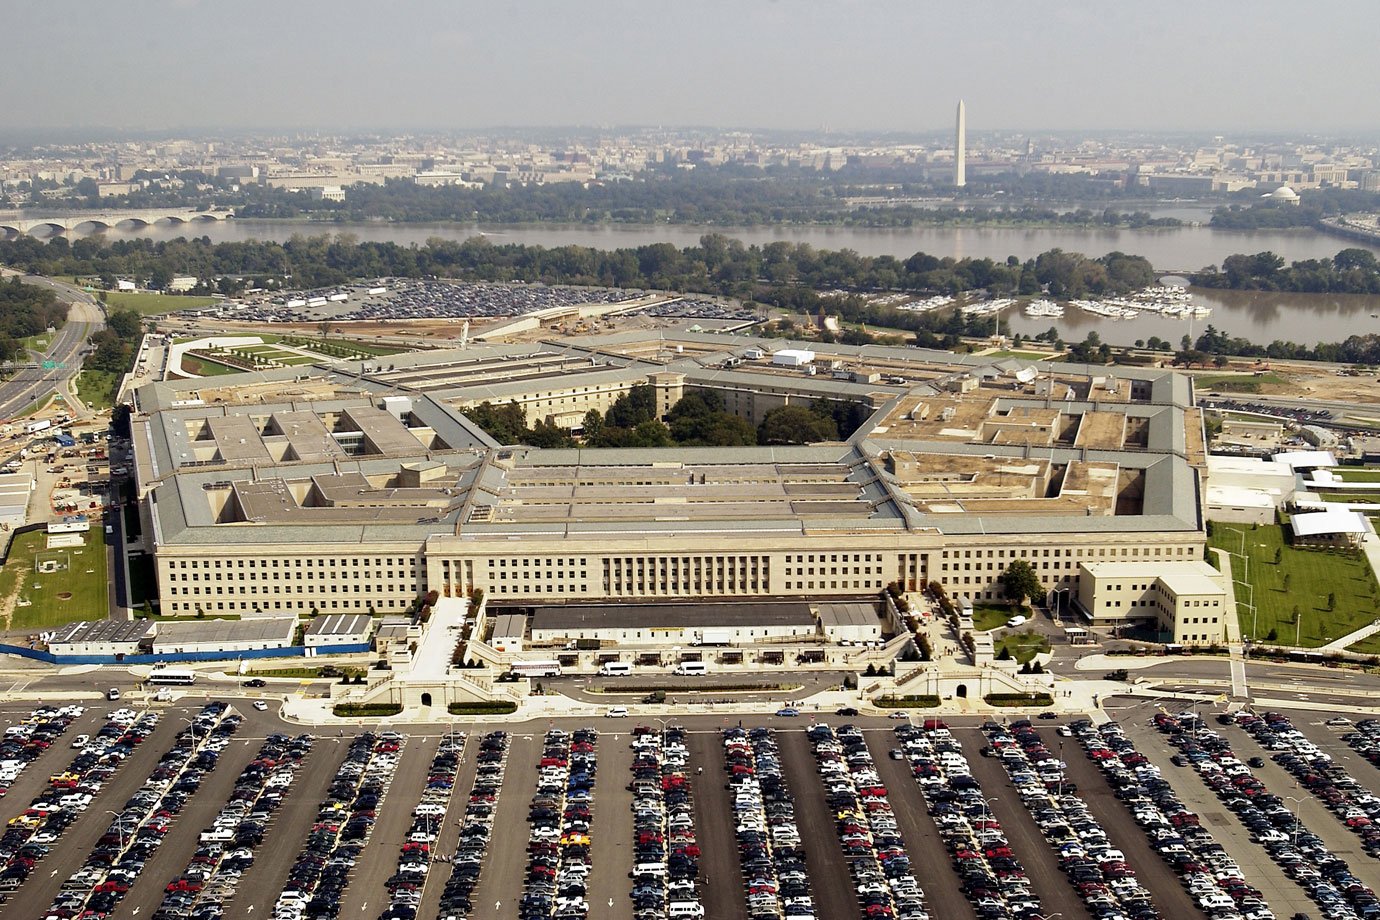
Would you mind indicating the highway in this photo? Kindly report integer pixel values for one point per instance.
(83, 318)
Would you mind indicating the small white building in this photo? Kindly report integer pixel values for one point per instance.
(792, 357)
(1187, 600)
(673, 624)
(101, 637)
(510, 633)
(1246, 490)
(855, 623)
(338, 629)
(228, 636)
(180, 284)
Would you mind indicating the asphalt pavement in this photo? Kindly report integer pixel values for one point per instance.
(83, 319)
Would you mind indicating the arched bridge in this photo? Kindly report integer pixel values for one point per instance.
(25, 222)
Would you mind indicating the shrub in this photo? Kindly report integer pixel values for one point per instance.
(491, 707)
(919, 701)
(366, 710)
(1019, 699)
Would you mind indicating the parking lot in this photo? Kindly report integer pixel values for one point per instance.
(235, 808)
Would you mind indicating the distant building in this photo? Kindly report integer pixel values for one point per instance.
(327, 193)
(182, 283)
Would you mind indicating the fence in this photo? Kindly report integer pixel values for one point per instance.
(290, 651)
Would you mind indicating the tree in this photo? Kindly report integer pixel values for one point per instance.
(1019, 582)
(1331, 601)
(1287, 579)
(795, 425)
(1279, 555)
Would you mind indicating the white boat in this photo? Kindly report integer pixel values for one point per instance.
(1044, 308)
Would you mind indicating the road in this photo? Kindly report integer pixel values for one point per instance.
(83, 319)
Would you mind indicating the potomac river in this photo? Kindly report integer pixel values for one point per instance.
(1260, 317)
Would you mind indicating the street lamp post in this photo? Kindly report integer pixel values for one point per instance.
(1298, 809)
(986, 811)
(119, 827)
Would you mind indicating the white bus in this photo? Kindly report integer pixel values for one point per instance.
(537, 668)
(172, 676)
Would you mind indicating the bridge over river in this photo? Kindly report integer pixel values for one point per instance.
(21, 222)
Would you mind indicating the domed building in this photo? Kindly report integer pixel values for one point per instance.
(1283, 195)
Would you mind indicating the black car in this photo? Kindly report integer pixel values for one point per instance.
(846, 711)
(255, 682)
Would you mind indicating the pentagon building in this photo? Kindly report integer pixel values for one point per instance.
(355, 487)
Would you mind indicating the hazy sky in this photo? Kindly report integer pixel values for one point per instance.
(1217, 65)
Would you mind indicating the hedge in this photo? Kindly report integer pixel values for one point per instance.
(1018, 699)
(367, 709)
(494, 707)
(907, 702)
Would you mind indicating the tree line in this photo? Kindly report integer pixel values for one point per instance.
(26, 310)
(717, 265)
(728, 194)
(698, 419)
(1350, 271)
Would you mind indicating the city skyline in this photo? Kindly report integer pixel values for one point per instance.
(845, 67)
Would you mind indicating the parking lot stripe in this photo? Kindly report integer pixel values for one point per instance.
(720, 877)
(263, 882)
(378, 860)
(928, 855)
(169, 859)
(502, 879)
(1166, 891)
(1029, 843)
(610, 831)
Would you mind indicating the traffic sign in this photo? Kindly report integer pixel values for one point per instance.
(53, 365)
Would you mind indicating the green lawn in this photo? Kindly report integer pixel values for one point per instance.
(204, 368)
(1236, 383)
(1333, 496)
(1022, 646)
(990, 616)
(152, 304)
(97, 388)
(1370, 646)
(1312, 576)
(371, 349)
(85, 581)
(1357, 474)
(1025, 355)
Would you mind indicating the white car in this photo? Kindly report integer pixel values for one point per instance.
(81, 741)
(260, 705)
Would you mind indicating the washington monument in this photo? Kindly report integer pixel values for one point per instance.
(960, 146)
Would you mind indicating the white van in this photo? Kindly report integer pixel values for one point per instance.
(1017, 620)
(615, 669)
(617, 712)
(692, 668)
(690, 910)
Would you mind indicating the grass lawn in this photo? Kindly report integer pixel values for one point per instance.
(1357, 474)
(990, 616)
(204, 368)
(303, 673)
(1026, 355)
(1312, 575)
(1330, 495)
(1237, 383)
(38, 342)
(1022, 646)
(364, 348)
(97, 388)
(84, 582)
(1370, 646)
(151, 304)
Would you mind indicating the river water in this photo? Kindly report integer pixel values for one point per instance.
(1260, 317)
